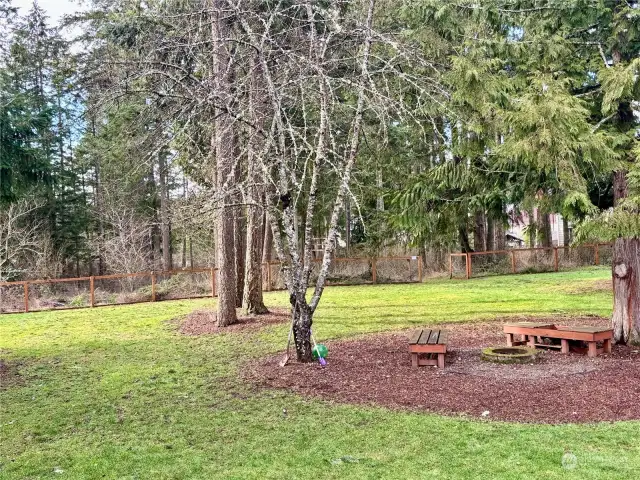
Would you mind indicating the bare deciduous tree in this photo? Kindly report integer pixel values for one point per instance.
(125, 244)
(22, 239)
(325, 75)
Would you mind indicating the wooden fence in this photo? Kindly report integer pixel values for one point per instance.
(556, 258)
(270, 272)
(152, 276)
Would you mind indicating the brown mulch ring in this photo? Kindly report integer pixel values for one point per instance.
(376, 369)
(203, 322)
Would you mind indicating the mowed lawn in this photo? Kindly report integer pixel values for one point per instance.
(117, 393)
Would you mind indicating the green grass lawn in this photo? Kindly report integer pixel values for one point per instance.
(117, 393)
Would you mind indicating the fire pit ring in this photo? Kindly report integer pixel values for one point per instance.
(509, 354)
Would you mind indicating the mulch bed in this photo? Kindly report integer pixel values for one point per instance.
(203, 322)
(376, 369)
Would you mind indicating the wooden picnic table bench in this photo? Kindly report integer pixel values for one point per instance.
(428, 347)
(532, 331)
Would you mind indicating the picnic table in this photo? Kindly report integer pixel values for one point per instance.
(428, 347)
(534, 334)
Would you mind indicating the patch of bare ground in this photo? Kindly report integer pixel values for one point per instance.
(376, 369)
(600, 285)
(203, 322)
(9, 374)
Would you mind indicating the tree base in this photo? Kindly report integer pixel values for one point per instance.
(626, 296)
(302, 319)
(256, 310)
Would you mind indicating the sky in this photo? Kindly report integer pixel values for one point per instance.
(54, 8)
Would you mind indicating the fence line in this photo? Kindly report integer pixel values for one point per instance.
(513, 253)
(371, 265)
(92, 279)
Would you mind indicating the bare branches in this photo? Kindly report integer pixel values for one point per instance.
(603, 121)
(125, 243)
(325, 74)
(21, 238)
(350, 161)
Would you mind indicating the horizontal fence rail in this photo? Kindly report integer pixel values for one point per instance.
(102, 290)
(140, 287)
(523, 260)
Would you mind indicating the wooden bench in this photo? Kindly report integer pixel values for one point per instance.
(428, 347)
(531, 332)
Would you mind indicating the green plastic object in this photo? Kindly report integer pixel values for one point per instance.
(320, 350)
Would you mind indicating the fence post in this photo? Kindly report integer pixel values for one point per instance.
(419, 268)
(468, 265)
(513, 261)
(597, 254)
(374, 272)
(26, 297)
(92, 293)
(555, 258)
(153, 286)
(450, 266)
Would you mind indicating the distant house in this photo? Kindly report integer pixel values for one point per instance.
(519, 221)
(513, 240)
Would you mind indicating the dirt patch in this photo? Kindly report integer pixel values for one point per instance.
(9, 374)
(558, 388)
(203, 322)
(599, 286)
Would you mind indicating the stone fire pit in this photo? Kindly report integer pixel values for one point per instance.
(509, 354)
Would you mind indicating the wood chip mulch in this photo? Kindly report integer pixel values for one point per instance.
(203, 322)
(376, 369)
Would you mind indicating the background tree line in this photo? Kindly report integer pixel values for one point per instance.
(174, 133)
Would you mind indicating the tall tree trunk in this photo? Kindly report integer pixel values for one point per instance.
(252, 300)
(156, 245)
(479, 232)
(239, 247)
(183, 262)
(500, 234)
(224, 151)
(566, 233)
(267, 240)
(626, 277)
(380, 185)
(303, 319)
(491, 233)
(422, 252)
(533, 228)
(239, 213)
(226, 267)
(626, 251)
(464, 240)
(347, 226)
(626, 282)
(156, 233)
(165, 222)
(267, 247)
(547, 235)
(98, 203)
